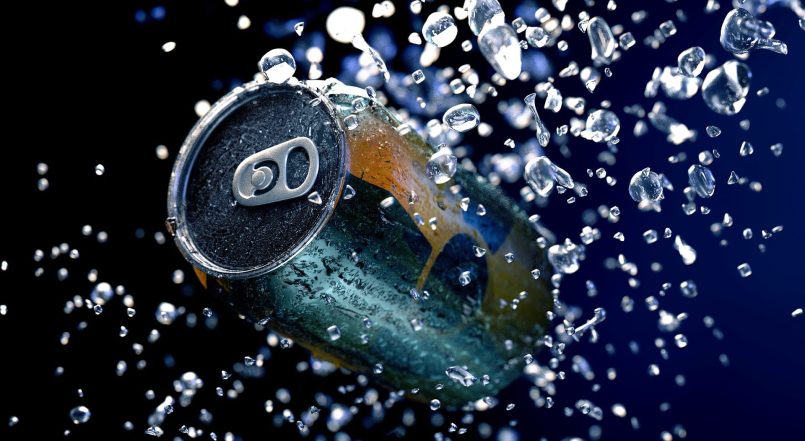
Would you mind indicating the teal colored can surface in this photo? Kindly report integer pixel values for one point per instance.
(307, 207)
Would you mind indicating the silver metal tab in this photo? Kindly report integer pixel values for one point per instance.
(251, 184)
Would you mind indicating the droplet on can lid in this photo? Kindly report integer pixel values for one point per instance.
(278, 65)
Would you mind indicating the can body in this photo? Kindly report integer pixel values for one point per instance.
(386, 278)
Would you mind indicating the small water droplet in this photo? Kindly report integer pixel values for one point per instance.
(80, 415)
(314, 197)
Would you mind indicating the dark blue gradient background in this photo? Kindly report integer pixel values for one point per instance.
(91, 85)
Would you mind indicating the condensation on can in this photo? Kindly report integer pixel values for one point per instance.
(304, 267)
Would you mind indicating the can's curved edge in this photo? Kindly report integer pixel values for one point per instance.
(175, 222)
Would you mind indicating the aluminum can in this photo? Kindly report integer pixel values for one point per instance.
(308, 207)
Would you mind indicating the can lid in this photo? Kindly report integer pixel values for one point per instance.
(256, 179)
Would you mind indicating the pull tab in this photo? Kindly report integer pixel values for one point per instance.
(249, 179)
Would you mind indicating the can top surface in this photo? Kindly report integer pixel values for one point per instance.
(256, 179)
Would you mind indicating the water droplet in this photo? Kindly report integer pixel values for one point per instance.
(539, 174)
(483, 13)
(536, 36)
(418, 76)
(101, 293)
(626, 41)
(80, 415)
(681, 340)
(741, 33)
(439, 29)
(701, 180)
(725, 88)
(299, 28)
(668, 28)
(677, 85)
(349, 192)
(461, 375)
(344, 23)
(601, 126)
(590, 77)
(501, 48)
(543, 135)
(334, 332)
(797, 312)
(442, 165)
(435, 404)
(100, 170)
(314, 197)
(478, 251)
(691, 61)
(746, 149)
(645, 185)
(464, 278)
(462, 117)
(744, 270)
(278, 65)
(166, 313)
(776, 149)
(564, 257)
(653, 370)
(686, 252)
(602, 41)
(713, 131)
(155, 431)
(480, 210)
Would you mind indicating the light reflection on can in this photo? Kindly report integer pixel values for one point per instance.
(313, 225)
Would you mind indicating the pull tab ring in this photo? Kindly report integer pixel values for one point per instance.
(250, 179)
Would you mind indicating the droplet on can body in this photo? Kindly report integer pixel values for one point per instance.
(442, 166)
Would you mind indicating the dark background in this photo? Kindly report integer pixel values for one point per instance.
(88, 84)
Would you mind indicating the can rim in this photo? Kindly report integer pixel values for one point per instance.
(185, 160)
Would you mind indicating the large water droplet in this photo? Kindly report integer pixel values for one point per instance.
(278, 65)
(482, 13)
(441, 166)
(499, 44)
(344, 23)
(564, 257)
(539, 175)
(701, 180)
(602, 41)
(645, 185)
(691, 61)
(601, 126)
(741, 33)
(80, 414)
(462, 117)
(439, 29)
(725, 88)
